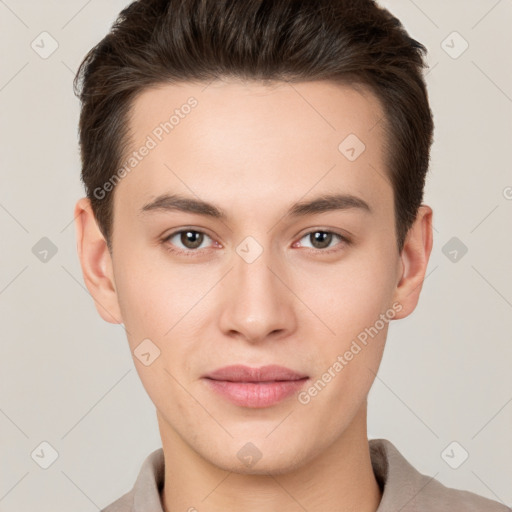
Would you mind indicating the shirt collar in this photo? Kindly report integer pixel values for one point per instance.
(149, 483)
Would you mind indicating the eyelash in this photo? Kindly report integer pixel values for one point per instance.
(194, 252)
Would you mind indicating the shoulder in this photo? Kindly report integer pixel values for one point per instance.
(145, 493)
(440, 497)
(408, 490)
(122, 504)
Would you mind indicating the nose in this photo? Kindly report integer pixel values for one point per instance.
(257, 300)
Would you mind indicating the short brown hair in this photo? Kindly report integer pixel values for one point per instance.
(168, 41)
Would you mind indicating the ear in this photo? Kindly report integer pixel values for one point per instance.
(414, 260)
(96, 262)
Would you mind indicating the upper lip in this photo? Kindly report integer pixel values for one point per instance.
(241, 373)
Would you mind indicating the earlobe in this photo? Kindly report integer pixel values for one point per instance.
(96, 262)
(414, 261)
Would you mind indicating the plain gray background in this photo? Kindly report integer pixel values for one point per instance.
(67, 377)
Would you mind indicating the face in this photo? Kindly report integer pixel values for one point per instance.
(244, 273)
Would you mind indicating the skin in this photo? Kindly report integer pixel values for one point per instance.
(254, 150)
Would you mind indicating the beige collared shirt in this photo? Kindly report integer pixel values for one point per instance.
(404, 489)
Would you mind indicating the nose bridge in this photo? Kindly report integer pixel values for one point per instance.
(257, 302)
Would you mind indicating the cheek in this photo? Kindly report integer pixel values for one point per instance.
(351, 297)
(164, 304)
(150, 292)
(154, 303)
(144, 299)
(360, 302)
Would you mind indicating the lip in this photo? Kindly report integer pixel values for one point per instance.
(255, 387)
(241, 373)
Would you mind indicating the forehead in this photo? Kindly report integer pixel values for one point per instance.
(303, 107)
(226, 137)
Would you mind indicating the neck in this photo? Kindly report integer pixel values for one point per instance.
(340, 479)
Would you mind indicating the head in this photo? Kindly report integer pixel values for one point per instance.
(218, 140)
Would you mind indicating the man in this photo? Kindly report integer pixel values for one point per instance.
(254, 174)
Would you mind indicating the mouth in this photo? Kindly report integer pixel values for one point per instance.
(255, 387)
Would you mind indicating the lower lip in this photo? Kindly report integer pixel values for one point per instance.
(256, 394)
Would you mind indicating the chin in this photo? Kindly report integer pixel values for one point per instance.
(250, 460)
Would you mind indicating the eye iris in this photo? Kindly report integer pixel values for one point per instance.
(322, 237)
(191, 239)
(194, 239)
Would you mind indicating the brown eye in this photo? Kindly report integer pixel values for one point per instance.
(187, 239)
(323, 240)
(191, 239)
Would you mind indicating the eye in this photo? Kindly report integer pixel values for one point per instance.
(321, 240)
(190, 240)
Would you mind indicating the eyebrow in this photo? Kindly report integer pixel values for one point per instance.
(321, 204)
